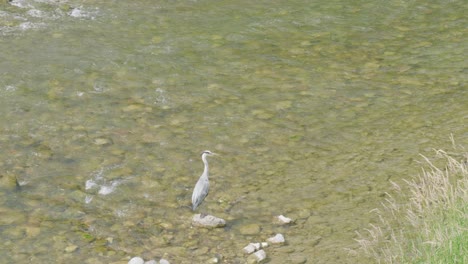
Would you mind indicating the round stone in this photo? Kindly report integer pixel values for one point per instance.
(136, 260)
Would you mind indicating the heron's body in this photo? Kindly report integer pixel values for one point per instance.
(203, 184)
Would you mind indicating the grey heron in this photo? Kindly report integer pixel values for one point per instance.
(203, 184)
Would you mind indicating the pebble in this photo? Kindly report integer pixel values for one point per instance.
(208, 221)
(151, 262)
(278, 239)
(257, 257)
(136, 260)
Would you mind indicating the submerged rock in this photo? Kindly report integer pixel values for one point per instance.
(9, 181)
(297, 259)
(250, 229)
(208, 221)
(103, 141)
(71, 248)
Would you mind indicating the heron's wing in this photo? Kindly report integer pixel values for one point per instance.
(200, 192)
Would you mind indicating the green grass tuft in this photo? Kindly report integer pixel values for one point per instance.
(428, 221)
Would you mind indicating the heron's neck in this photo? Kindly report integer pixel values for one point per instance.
(205, 171)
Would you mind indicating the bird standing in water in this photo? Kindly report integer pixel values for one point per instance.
(203, 184)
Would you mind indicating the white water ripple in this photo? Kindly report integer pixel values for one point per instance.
(98, 184)
(37, 14)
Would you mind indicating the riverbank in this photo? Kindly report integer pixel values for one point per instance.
(424, 221)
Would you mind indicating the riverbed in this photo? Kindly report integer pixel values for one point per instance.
(313, 107)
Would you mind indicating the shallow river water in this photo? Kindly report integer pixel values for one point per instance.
(313, 107)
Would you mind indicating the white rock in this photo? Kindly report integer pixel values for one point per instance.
(283, 219)
(136, 260)
(214, 260)
(257, 257)
(252, 247)
(163, 261)
(208, 221)
(249, 249)
(151, 262)
(278, 239)
(261, 254)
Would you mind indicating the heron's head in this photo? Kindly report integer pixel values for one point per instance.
(208, 153)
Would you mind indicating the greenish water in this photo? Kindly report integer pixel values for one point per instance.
(314, 107)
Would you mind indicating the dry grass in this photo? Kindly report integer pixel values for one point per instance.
(428, 225)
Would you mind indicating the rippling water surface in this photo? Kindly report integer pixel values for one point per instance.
(312, 106)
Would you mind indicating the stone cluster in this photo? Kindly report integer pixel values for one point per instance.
(138, 260)
(256, 251)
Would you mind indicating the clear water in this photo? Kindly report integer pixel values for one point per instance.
(312, 106)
